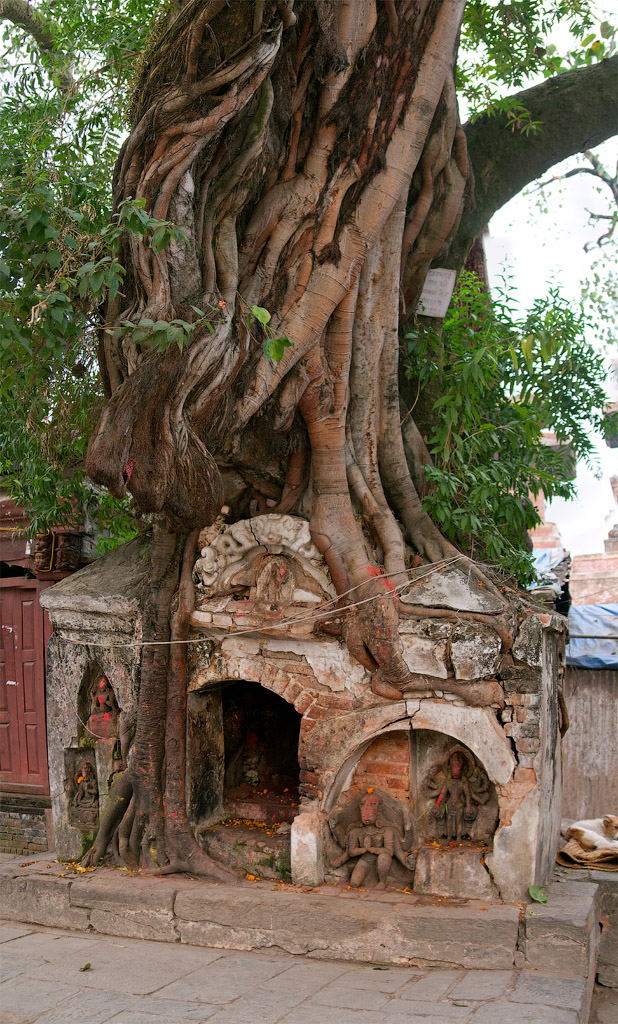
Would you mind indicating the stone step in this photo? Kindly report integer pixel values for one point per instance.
(607, 881)
(329, 922)
(248, 849)
(563, 935)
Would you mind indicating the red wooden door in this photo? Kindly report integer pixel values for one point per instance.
(24, 631)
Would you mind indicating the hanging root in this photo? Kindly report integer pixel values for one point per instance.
(119, 802)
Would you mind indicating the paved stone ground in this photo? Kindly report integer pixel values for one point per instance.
(604, 1009)
(131, 981)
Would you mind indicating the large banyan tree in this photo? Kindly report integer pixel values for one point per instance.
(312, 154)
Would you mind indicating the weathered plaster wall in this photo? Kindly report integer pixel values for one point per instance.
(529, 816)
(97, 612)
(345, 728)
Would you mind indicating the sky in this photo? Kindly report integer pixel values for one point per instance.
(538, 248)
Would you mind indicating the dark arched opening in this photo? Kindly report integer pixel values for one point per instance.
(261, 733)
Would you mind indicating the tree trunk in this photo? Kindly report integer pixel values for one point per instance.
(312, 154)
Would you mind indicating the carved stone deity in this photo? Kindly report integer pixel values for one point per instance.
(84, 799)
(370, 829)
(458, 789)
(104, 710)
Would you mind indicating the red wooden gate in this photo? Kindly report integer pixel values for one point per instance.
(25, 630)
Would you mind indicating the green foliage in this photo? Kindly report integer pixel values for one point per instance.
(58, 248)
(274, 345)
(60, 264)
(507, 44)
(502, 381)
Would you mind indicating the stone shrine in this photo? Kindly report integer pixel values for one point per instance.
(453, 788)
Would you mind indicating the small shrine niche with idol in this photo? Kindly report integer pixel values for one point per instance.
(99, 752)
(420, 813)
(457, 814)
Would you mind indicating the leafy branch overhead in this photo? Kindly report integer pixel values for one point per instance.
(46, 33)
(596, 169)
(503, 380)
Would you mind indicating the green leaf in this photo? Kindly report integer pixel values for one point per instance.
(96, 282)
(537, 894)
(606, 30)
(73, 214)
(526, 346)
(275, 347)
(32, 219)
(262, 315)
(54, 259)
(160, 239)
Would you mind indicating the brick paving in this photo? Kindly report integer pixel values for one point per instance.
(134, 981)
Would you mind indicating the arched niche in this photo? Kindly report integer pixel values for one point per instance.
(242, 754)
(97, 709)
(475, 728)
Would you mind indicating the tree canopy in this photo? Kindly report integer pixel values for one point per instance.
(68, 70)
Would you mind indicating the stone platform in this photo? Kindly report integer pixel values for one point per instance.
(330, 922)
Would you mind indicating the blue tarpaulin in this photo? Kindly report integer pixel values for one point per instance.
(597, 626)
(545, 561)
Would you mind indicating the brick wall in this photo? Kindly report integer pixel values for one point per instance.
(385, 764)
(24, 823)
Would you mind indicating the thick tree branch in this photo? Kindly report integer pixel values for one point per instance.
(577, 110)
(43, 31)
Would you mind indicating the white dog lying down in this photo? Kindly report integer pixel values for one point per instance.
(596, 833)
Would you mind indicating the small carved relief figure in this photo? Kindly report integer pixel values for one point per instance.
(274, 585)
(85, 798)
(104, 710)
(459, 789)
(374, 836)
(454, 804)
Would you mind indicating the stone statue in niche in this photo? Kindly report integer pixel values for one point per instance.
(84, 794)
(370, 828)
(458, 786)
(104, 710)
(274, 585)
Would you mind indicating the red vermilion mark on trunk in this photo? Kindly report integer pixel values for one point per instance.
(373, 570)
(128, 471)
